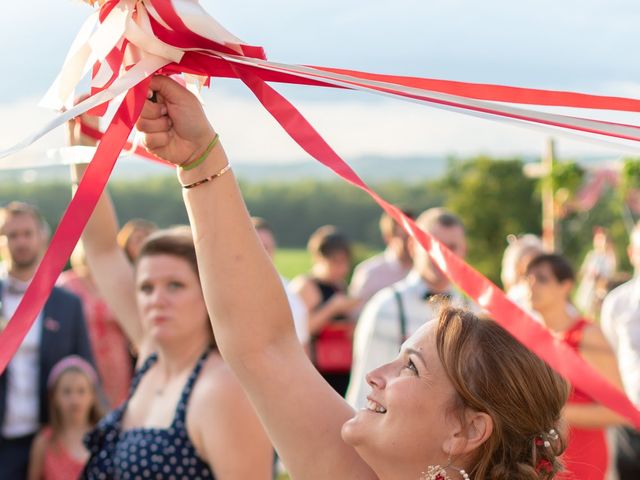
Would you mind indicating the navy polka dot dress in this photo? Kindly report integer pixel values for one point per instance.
(146, 453)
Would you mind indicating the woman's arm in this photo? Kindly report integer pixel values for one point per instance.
(595, 349)
(246, 301)
(110, 269)
(591, 415)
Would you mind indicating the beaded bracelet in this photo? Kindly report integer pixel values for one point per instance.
(193, 164)
(221, 172)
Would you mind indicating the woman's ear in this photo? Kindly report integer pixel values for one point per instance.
(476, 430)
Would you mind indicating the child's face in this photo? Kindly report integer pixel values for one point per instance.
(74, 396)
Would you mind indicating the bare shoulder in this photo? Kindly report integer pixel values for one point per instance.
(40, 442)
(216, 385)
(217, 398)
(39, 445)
(594, 339)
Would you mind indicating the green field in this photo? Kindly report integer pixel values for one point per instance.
(291, 262)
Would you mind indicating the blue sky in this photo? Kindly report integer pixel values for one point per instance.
(571, 45)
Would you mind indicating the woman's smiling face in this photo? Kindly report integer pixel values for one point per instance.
(409, 418)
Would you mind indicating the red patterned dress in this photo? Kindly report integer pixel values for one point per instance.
(58, 463)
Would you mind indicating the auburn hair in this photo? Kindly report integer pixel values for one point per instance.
(494, 373)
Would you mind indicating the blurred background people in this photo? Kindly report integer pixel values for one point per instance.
(324, 292)
(133, 234)
(109, 344)
(386, 268)
(519, 252)
(58, 451)
(620, 322)
(551, 279)
(58, 331)
(598, 268)
(396, 312)
(298, 308)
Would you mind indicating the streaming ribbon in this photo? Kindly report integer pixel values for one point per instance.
(127, 41)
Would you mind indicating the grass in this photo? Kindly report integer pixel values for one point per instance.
(291, 262)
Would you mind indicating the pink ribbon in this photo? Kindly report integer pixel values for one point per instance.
(73, 222)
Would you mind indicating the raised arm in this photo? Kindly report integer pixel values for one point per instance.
(246, 301)
(110, 269)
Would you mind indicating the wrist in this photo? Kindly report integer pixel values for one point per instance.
(201, 146)
(194, 163)
(214, 161)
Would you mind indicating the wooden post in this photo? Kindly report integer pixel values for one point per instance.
(549, 226)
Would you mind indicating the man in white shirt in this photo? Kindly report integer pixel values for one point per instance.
(620, 322)
(386, 268)
(298, 308)
(398, 311)
(58, 331)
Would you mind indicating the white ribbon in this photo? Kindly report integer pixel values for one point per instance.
(538, 120)
(147, 42)
(74, 67)
(111, 29)
(146, 67)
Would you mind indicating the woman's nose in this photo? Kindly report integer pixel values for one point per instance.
(377, 378)
(157, 296)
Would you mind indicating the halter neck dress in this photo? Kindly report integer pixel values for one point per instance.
(146, 453)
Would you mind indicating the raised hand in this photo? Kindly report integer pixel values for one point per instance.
(175, 127)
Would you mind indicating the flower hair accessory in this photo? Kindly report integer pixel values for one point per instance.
(548, 437)
(436, 472)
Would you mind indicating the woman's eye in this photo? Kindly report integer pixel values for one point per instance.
(175, 285)
(411, 366)
(146, 288)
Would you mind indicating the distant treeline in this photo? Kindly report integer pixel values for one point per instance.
(492, 196)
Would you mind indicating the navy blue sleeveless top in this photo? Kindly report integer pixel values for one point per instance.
(146, 453)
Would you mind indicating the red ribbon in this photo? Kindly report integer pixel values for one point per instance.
(138, 150)
(535, 336)
(73, 222)
(501, 93)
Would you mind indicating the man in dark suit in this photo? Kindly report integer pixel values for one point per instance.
(59, 331)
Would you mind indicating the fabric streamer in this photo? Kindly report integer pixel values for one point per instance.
(130, 40)
(73, 222)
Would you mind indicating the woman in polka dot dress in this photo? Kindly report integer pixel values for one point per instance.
(187, 416)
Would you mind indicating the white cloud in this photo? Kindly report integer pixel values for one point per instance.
(380, 127)
(20, 119)
(353, 127)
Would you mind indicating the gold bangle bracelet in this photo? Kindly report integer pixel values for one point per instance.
(221, 172)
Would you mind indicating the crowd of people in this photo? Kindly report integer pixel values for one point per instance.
(182, 353)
